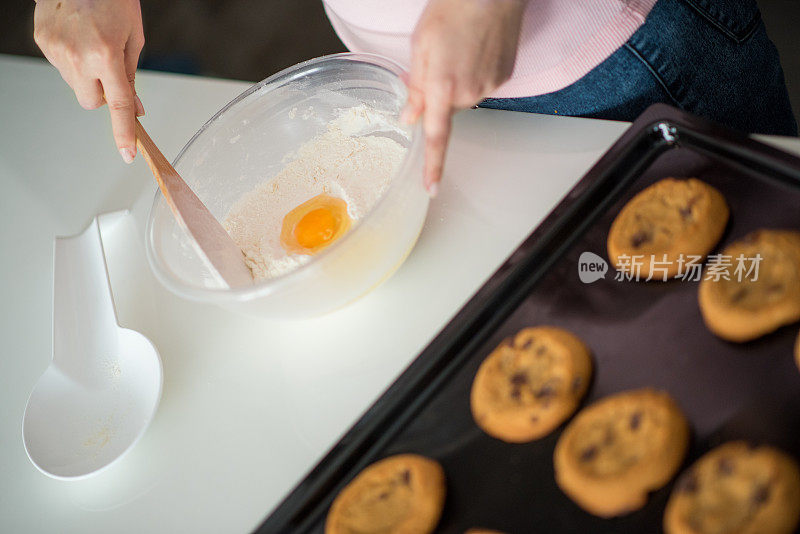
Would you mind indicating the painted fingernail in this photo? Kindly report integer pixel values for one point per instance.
(127, 155)
(139, 107)
(433, 189)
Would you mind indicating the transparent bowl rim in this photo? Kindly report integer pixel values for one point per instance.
(266, 287)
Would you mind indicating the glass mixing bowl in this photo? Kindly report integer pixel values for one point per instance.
(245, 144)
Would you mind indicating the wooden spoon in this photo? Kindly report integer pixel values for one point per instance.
(214, 243)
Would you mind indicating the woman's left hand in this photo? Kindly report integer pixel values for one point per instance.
(461, 51)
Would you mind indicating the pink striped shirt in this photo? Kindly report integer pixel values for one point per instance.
(560, 41)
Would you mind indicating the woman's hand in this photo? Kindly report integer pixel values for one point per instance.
(95, 45)
(460, 52)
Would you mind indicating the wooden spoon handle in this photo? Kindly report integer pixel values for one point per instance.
(214, 243)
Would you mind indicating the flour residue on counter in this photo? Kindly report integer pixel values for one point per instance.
(341, 162)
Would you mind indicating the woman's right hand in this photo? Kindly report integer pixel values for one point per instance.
(96, 46)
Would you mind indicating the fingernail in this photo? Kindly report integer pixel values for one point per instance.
(139, 107)
(433, 189)
(127, 155)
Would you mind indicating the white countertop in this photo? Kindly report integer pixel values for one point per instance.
(248, 405)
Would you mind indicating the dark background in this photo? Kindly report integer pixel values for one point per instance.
(251, 39)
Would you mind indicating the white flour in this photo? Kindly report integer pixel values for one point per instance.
(355, 169)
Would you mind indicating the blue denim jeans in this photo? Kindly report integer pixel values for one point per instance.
(712, 58)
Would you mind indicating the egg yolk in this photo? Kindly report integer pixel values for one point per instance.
(315, 224)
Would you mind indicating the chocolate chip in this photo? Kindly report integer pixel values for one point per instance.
(640, 238)
(774, 288)
(518, 379)
(515, 394)
(636, 420)
(725, 466)
(534, 419)
(546, 391)
(383, 496)
(687, 483)
(739, 294)
(686, 211)
(609, 438)
(540, 351)
(577, 383)
(528, 344)
(761, 494)
(405, 476)
(589, 453)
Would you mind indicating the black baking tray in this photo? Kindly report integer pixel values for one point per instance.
(641, 334)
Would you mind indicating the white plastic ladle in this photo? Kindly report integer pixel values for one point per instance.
(102, 388)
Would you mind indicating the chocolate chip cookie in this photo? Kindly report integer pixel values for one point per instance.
(797, 351)
(666, 221)
(736, 488)
(620, 448)
(740, 303)
(402, 494)
(529, 385)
